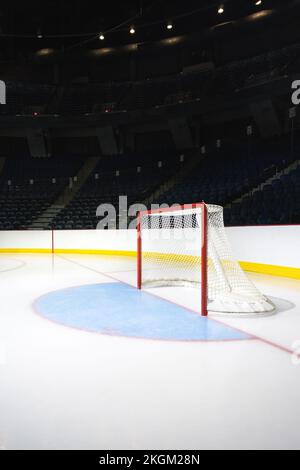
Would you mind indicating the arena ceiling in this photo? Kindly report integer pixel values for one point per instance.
(58, 24)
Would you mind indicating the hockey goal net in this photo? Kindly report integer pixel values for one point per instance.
(187, 246)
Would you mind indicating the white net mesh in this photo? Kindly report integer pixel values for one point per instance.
(171, 256)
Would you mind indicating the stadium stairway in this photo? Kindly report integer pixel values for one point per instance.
(284, 172)
(44, 221)
(193, 162)
(276, 201)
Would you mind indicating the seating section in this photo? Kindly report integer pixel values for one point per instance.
(166, 91)
(23, 98)
(276, 203)
(28, 186)
(88, 98)
(80, 99)
(219, 177)
(133, 175)
(230, 176)
(226, 174)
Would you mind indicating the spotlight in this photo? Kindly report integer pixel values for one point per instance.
(39, 34)
(221, 10)
(132, 30)
(101, 37)
(170, 25)
(258, 2)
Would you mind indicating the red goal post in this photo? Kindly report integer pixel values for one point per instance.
(202, 247)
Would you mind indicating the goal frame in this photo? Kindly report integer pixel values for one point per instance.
(202, 249)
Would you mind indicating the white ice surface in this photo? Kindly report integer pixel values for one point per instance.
(66, 389)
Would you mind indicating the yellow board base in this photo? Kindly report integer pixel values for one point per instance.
(280, 271)
(25, 250)
(96, 252)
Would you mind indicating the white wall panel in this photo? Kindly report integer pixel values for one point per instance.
(25, 240)
(275, 245)
(119, 240)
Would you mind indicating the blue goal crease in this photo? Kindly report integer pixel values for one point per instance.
(118, 309)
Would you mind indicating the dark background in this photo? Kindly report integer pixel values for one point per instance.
(199, 112)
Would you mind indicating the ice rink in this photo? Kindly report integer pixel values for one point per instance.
(89, 362)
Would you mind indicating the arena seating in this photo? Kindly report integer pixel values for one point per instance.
(133, 175)
(220, 176)
(87, 98)
(227, 173)
(22, 98)
(225, 176)
(80, 99)
(276, 203)
(29, 185)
